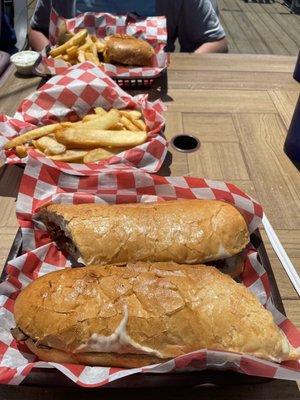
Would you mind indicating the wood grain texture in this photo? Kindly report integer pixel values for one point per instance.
(220, 101)
(261, 137)
(243, 80)
(240, 108)
(285, 102)
(220, 161)
(233, 62)
(210, 127)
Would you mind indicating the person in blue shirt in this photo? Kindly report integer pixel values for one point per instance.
(194, 23)
(7, 35)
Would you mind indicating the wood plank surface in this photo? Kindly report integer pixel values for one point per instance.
(220, 101)
(241, 119)
(260, 27)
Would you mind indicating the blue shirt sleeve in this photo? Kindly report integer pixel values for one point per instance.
(198, 24)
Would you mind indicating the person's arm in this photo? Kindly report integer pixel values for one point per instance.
(40, 25)
(219, 46)
(37, 40)
(200, 29)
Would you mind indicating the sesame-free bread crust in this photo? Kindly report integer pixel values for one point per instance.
(128, 50)
(166, 310)
(183, 231)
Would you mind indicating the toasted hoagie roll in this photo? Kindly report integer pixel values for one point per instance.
(141, 314)
(187, 231)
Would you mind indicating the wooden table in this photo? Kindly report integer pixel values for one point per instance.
(239, 106)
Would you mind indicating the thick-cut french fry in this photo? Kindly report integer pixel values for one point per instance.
(59, 57)
(90, 117)
(72, 51)
(31, 135)
(75, 156)
(92, 47)
(66, 57)
(106, 121)
(81, 56)
(21, 151)
(128, 124)
(76, 40)
(100, 110)
(131, 114)
(100, 46)
(91, 57)
(101, 154)
(140, 124)
(65, 37)
(84, 47)
(118, 127)
(49, 146)
(83, 138)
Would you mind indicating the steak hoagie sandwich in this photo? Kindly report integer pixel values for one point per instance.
(183, 231)
(141, 314)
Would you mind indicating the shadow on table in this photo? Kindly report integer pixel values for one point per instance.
(10, 178)
(158, 90)
(165, 168)
(279, 390)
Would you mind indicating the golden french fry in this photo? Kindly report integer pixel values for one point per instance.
(21, 151)
(140, 124)
(83, 138)
(100, 46)
(81, 56)
(131, 114)
(72, 51)
(118, 127)
(64, 37)
(92, 46)
(100, 110)
(65, 57)
(49, 146)
(59, 57)
(128, 124)
(101, 154)
(73, 156)
(31, 135)
(106, 121)
(76, 40)
(84, 47)
(91, 57)
(90, 117)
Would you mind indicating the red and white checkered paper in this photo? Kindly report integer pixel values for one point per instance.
(72, 95)
(42, 184)
(151, 29)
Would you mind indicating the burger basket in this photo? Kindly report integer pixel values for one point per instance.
(72, 95)
(34, 254)
(151, 29)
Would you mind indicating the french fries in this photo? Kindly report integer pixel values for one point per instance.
(71, 156)
(96, 137)
(49, 146)
(82, 138)
(76, 40)
(31, 135)
(78, 48)
(101, 154)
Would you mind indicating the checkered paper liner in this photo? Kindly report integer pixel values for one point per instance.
(151, 29)
(72, 95)
(42, 184)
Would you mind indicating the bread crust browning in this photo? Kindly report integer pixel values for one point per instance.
(172, 310)
(128, 50)
(183, 231)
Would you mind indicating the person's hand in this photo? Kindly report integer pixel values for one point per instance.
(37, 40)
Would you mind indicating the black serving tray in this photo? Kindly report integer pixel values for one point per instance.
(41, 377)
